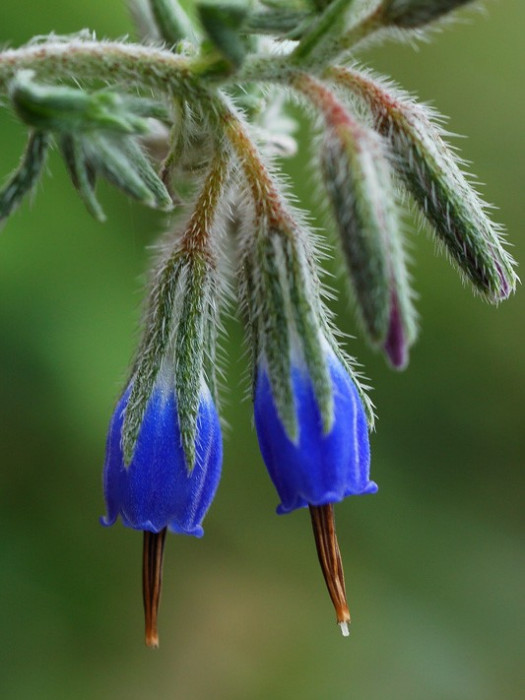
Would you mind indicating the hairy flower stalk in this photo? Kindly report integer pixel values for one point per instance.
(86, 59)
(200, 67)
(319, 40)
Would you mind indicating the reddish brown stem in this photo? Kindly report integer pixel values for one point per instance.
(153, 551)
(323, 525)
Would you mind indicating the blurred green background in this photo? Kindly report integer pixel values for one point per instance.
(433, 562)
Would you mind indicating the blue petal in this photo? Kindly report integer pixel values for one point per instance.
(156, 490)
(317, 469)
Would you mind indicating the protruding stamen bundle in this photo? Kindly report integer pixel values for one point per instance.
(153, 553)
(323, 525)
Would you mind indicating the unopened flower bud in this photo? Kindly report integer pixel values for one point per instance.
(432, 175)
(357, 178)
(222, 24)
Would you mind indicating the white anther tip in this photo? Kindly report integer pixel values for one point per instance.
(345, 630)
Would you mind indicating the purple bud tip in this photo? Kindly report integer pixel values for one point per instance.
(505, 288)
(395, 345)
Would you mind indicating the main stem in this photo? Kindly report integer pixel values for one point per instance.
(133, 64)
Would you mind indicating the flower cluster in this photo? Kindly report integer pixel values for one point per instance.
(197, 128)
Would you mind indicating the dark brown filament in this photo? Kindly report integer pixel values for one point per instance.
(152, 581)
(323, 525)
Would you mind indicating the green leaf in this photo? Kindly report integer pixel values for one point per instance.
(66, 109)
(172, 21)
(122, 162)
(222, 24)
(25, 177)
(81, 173)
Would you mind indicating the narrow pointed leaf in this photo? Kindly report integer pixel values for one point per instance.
(25, 177)
(148, 175)
(172, 21)
(222, 24)
(81, 173)
(65, 109)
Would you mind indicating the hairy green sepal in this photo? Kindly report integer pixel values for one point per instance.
(25, 177)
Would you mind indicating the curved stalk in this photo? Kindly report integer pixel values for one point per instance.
(134, 64)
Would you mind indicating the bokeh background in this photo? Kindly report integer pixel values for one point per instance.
(433, 561)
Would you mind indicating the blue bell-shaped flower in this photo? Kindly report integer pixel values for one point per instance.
(317, 468)
(156, 490)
